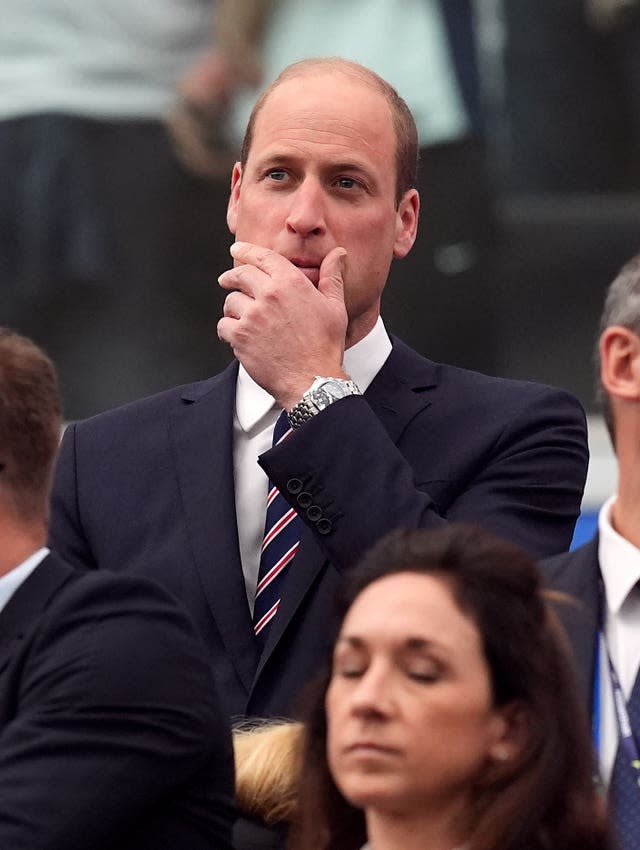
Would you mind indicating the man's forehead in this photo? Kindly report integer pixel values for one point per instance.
(329, 106)
(321, 85)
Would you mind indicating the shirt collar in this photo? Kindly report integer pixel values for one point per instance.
(362, 362)
(12, 580)
(619, 560)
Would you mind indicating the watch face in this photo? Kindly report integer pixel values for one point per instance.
(328, 392)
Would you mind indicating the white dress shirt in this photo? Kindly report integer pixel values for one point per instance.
(12, 580)
(254, 420)
(620, 568)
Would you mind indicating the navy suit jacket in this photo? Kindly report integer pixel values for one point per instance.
(111, 732)
(148, 488)
(577, 574)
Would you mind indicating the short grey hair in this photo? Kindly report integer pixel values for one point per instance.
(621, 307)
(622, 304)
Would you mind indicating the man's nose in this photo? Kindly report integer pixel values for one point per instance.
(307, 213)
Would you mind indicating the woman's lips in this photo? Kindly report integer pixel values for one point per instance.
(370, 749)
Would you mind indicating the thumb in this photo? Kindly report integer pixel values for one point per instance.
(332, 269)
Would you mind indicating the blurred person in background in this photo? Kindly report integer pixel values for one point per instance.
(108, 237)
(111, 730)
(604, 574)
(572, 95)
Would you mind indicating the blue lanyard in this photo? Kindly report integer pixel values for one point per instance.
(625, 733)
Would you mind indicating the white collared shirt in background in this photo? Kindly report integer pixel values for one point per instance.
(12, 580)
(253, 423)
(620, 567)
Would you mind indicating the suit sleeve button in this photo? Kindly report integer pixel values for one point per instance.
(324, 526)
(314, 513)
(294, 486)
(304, 499)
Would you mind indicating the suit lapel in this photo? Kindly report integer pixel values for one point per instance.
(396, 395)
(400, 390)
(577, 575)
(202, 440)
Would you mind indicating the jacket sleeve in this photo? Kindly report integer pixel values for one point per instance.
(518, 472)
(116, 729)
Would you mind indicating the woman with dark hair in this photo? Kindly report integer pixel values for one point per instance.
(449, 718)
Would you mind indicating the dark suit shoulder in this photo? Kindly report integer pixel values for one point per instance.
(573, 572)
(109, 708)
(464, 386)
(124, 637)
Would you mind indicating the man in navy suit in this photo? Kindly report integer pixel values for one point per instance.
(111, 732)
(175, 486)
(604, 574)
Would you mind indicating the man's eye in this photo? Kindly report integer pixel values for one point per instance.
(277, 174)
(347, 182)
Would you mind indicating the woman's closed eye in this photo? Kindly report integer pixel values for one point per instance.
(426, 670)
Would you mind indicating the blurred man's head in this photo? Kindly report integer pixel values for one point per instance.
(30, 419)
(329, 161)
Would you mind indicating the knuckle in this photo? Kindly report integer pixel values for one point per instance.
(264, 256)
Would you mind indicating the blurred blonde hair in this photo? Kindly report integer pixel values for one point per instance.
(268, 765)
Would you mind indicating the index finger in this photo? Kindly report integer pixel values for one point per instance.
(264, 259)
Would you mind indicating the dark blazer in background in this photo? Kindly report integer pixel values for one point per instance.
(577, 574)
(111, 734)
(149, 489)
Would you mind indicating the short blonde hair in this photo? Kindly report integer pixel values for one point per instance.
(268, 765)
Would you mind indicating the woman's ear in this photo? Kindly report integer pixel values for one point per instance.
(511, 732)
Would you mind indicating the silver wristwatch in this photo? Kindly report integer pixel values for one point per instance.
(321, 393)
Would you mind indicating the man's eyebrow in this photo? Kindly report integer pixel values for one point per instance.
(349, 165)
(293, 158)
(279, 158)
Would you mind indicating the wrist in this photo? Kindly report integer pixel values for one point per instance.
(323, 392)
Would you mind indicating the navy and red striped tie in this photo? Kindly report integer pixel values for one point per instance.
(282, 532)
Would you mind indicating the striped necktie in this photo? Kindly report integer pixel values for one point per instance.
(282, 532)
(624, 792)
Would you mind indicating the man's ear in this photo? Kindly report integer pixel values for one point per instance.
(406, 223)
(620, 363)
(234, 198)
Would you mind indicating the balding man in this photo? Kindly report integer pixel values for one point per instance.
(175, 486)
